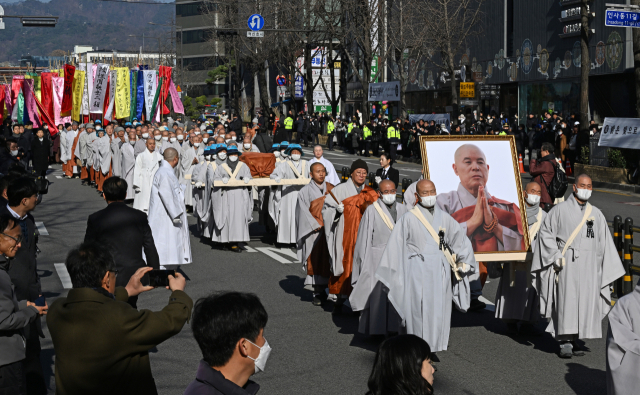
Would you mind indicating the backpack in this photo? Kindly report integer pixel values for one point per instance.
(559, 183)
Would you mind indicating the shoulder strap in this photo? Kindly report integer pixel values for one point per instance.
(235, 173)
(227, 169)
(536, 227)
(384, 216)
(450, 258)
(587, 212)
(303, 164)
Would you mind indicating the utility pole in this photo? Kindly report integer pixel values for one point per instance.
(585, 64)
(635, 33)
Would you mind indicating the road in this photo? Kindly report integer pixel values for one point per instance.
(313, 351)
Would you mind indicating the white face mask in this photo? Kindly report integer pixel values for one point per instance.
(205, 139)
(261, 361)
(389, 199)
(145, 135)
(227, 141)
(173, 139)
(283, 154)
(133, 142)
(295, 157)
(222, 155)
(428, 201)
(277, 154)
(207, 157)
(197, 133)
(180, 137)
(41, 139)
(157, 137)
(233, 158)
(533, 199)
(165, 138)
(14, 153)
(233, 138)
(247, 146)
(583, 194)
(196, 145)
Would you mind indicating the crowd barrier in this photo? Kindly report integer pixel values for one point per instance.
(623, 240)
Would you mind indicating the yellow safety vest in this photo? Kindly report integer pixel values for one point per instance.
(349, 127)
(392, 132)
(502, 134)
(288, 123)
(330, 127)
(366, 132)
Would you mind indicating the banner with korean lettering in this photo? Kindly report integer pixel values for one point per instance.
(150, 88)
(78, 91)
(113, 81)
(620, 133)
(123, 99)
(99, 88)
(384, 91)
(88, 81)
(67, 99)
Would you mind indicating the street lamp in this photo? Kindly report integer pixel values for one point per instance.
(133, 35)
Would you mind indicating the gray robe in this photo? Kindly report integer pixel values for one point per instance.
(128, 166)
(186, 169)
(580, 298)
(232, 208)
(288, 198)
(623, 346)
(140, 146)
(334, 223)
(207, 218)
(116, 157)
(369, 295)
(409, 197)
(198, 181)
(519, 302)
(306, 226)
(419, 278)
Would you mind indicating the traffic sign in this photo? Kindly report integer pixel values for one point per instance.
(178, 89)
(622, 18)
(255, 34)
(255, 22)
(467, 89)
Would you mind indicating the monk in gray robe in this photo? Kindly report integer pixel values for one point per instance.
(573, 266)
(311, 241)
(141, 144)
(426, 265)
(232, 206)
(198, 181)
(409, 197)
(116, 154)
(296, 168)
(623, 345)
(189, 159)
(516, 299)
(369, 295)
(129, 163)
(219, 156)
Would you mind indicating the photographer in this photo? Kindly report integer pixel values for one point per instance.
(101, 344)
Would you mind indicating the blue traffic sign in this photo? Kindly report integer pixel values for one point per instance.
(622, 18)
(255, 22)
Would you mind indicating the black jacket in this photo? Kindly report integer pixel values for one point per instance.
(235, 125)
(211, 382)
(263, 142)
(126, 232)
(40, 154)
(392, 174)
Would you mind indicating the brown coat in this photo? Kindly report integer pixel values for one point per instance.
(542, 172)
(102, 345)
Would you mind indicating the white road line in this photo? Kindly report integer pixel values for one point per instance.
(58, 176)
(64, 275)
(249, 249)
(490, 306)
(41, 229)
(270, 253)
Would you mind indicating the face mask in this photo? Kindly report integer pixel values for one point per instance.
(583, 194)
(277, 154)
(196, 145)
(145, 135)
(197, 133)
(41, 139)
(295, 157)
(533, 199)
(165, 138)
(261, 361)
(205, 139)
(173, 139)
(233, 138)
(133, 142)
(233, 158)
(428, 201)
(247, 146)
(157, 137)
(207, 157)
(283, 154)
(389, 199)
(180, 137)
(227, 141)
(14, 153)
(222, 155)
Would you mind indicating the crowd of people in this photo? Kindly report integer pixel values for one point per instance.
(401, 266)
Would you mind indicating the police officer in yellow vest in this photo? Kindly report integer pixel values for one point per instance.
(330, 128)
(288, 126)
(367, 134)
(393, 139)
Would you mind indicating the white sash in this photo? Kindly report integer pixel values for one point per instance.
(384, 217)
(303, 164)
(228, 170)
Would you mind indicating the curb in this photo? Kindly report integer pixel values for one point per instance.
(610, 185)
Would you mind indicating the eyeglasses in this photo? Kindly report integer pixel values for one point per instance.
(114, 271)
(18, 239)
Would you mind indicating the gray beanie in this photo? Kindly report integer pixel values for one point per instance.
(89, 126)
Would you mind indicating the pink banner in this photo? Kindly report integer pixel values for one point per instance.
(7, 99)
(175, 99)
(58, 93)
(30, 102)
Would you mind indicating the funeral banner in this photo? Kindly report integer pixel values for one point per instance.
(384, 91)
(620, 133)
(123, 100)
(108, 115)
(150, 88)
(177, 104)
(78, 90)
(67, 100)
(30, 102)
(58, 91)
(7, 99)
(99, 88)
(86, 72)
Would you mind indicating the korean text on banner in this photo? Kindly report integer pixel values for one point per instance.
(108, 115)
(99, 88)
(384, 91)
(78, 91)
(88, 82)
(620, 133)
(150, 87)
(67, 100)
(123, 100)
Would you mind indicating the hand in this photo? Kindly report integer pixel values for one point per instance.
(278, 179)
(478, 216)
(195, 160)
(137, 189)
(177, 283)
(177, 221)
(134, 286)
(378, 180)
(42, 310)
(340, 208)
(246, 180)
(487, 213)
(557, 265)
(225, 180)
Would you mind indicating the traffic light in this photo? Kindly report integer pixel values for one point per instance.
(226, 33)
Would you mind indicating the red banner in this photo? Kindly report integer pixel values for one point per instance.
(45, 116)
(16, 84)
(2, 90)
(165, 71)
(46, 93)
(67, 99)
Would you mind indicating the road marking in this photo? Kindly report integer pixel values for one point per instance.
(274, 254)
(631, 203)
(64, 275)
(58, 176)
(41, 229)
(249, 249)
(490, 306)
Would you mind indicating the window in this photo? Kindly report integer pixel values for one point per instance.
(200, 63)
(195, 36)
(192, 9)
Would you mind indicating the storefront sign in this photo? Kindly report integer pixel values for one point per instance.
(384, 91)
(620, 133)
(467, 89)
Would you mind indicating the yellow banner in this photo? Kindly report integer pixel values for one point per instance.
(123, 97)
(78, 90)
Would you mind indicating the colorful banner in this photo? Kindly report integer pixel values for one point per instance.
(150, 89)
(123, 95)
(46, 118)
(7, 99)
(30, 102)
(99, 88)
(85, 93)
(175, 99)
(133, 78)
(67, 100)
(165, 72)
(140, 93)
(16, 85)
(154, 106)
(113, 80)
(2, 93)
(58, 93)
(78, 90)
(46, 92)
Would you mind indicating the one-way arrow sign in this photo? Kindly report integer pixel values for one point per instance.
(255, 22)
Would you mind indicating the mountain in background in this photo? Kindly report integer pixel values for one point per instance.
(100, 24)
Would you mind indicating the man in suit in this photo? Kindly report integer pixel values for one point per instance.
(22, 196)
(125, 231)
(101, 344)
(386, 172)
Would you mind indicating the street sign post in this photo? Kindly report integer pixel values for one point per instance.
(255, 34)
(255, 22)
(617, 18)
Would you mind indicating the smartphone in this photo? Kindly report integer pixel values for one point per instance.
(40, 301)
(160, 278)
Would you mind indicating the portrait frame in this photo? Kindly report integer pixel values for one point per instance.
(493, 256)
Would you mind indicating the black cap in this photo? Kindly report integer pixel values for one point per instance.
(359, 164)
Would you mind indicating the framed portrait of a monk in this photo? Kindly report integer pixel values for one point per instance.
(478, 183)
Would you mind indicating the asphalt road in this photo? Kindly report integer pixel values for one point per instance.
(313, 351)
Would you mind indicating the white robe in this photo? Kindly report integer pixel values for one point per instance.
(232, 207)
(580, 298)
(166, 205)
(186, 168)
(369, 295)
(103, 153)
(419, 278)
(116, 157)
(128, 167)
(332, 176)
(623, 346)
(288, 199)
(70, 137)
(64, 146)
(146, 166)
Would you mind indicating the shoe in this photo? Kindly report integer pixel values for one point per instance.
(566, 350)
(528, 329)
(316, 301)
(476, 305)
(577, 350)
(512, 329)
(236, 248)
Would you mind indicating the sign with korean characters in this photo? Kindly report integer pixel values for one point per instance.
(467, 89)
(620, 133)
(622, 18)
